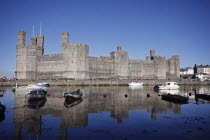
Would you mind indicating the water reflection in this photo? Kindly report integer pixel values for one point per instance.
(176, 91)
(70, 102)
(202, 95)
(74, 113)
(2, 110)
(36, 104)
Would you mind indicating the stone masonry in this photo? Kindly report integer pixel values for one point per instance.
(74, 62)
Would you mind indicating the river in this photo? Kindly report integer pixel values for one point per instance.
(104, 113)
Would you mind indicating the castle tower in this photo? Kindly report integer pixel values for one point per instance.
(173, 67)
(177, 65)
(21, 52)
(75, 58)
(120, 63)
(33, 41)
(21, 38)
(26, 56)
(65, 41)
(40, 43)
(160, 66)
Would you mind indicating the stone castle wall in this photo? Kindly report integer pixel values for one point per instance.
(74, 62)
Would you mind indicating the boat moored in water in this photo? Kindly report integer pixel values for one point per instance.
(26, 89)
(37, 94)
(135, 84)
(167, 86)
(74, 94)
(175, 98)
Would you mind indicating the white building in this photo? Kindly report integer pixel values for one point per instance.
(202, 72)
(186, 71)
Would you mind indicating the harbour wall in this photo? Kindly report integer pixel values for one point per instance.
(101, 82)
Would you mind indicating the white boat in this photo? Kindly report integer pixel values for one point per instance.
(40, 85)
(168, 86)
(27, 89)
(135, 84)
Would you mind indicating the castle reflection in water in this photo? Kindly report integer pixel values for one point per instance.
(116, 100)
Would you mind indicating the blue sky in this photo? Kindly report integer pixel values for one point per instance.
(171, 27)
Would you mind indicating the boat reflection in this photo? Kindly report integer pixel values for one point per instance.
(2, 110)
(135, 87)
(70, 102)
(36, 104)
(202, 94)
(173, 92)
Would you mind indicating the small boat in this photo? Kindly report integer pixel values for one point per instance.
(74, 94)
(70, 102)
(25, 89)
(135, 84)
(37, 94)
(175, 98)
(167, 86)
(36, 104)
(40, 85)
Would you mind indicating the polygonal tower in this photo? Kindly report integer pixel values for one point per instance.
(26, 56)
(21, 52)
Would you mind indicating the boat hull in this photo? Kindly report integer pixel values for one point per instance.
(175, 98)
(135, 84)
(36, 96)
(73, 94)
(168, 88)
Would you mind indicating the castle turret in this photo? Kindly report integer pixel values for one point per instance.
(65, 37)
(33, 41)
(65, 41)
(40, 42)
(152, 54)
(21, 38)
(119, 48)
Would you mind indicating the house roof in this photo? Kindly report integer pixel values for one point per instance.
(203, 66)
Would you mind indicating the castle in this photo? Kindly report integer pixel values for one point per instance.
(74, 62)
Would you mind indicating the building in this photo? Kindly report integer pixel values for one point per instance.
(187, 72)
(74, 62)
(202, 71)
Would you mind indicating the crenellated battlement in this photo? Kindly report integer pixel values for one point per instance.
(137, 61)
(159, 57)
(21, 33)
(78, 44)
(65, 33)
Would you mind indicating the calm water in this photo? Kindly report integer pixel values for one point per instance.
(119, 113)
